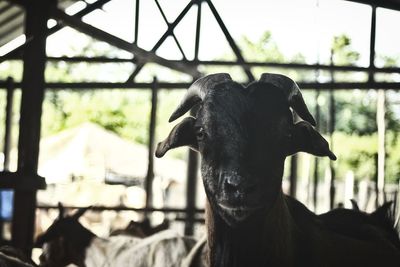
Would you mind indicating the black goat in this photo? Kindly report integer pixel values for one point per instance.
(66, 241)
(244, 135)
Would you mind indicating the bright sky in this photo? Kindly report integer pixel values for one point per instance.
(305, 26)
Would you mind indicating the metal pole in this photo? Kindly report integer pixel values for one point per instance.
(152, 130)
(33, 86)
(316, 160)
(380, 121)
(191, 189)
(372, 45)
(136, 34)
(332, 119)
(198, 28)
(8, 123)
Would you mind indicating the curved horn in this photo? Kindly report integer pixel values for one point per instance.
(292, 92)
(60, 210)
(197, 91)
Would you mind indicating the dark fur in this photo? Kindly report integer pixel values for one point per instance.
(12, 257)
(244, 135)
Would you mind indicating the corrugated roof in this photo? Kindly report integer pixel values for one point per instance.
(12, 19)
(11, 22)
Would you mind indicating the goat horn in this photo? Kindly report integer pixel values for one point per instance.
(80, 212)
(197, 91)
(60, 210)
(292, 92)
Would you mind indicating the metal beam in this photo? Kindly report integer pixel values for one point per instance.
(136, 33)
(142, 54)
(167, 33)
(372, 45)
(230, 40)
(8, 123)
(121, 208)
(89, 8)
(390, 4)
(152, 132)
(191, 186)
(172, 32)
(90, 59)
(168, 85)
(198, 28)
(33, 87)
(316, 159)
(195, 63)
(331, 129)
(380, 122)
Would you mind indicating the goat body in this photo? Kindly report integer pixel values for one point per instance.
(166, 248)
(291, 235)
(66, 241)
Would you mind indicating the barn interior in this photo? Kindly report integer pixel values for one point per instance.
(87, 87)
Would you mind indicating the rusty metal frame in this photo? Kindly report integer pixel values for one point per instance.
(191, 67)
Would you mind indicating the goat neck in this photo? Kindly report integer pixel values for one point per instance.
(265, 239)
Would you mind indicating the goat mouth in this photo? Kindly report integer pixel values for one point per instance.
(239, 213)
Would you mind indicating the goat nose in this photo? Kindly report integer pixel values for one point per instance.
(232, 182)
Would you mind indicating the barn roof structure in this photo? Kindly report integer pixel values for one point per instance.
(31, 18)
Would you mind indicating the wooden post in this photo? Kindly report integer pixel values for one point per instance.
(32, 87)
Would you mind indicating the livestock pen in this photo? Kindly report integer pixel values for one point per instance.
(158, 59)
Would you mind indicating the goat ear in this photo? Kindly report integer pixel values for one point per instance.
(60, 210)
(354, 205)
(383, 212)
(80, 212)
(305, 138)
(181, 135)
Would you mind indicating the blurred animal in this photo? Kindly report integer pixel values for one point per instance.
(12, 257)
(66, 241)
(378, 226)
(244, 134)
(141, 229)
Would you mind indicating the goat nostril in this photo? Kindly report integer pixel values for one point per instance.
(230, 187)
(232, 182)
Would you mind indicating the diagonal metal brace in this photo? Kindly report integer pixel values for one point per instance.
(142, 54)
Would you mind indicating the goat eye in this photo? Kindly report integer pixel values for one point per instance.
(200, 133)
